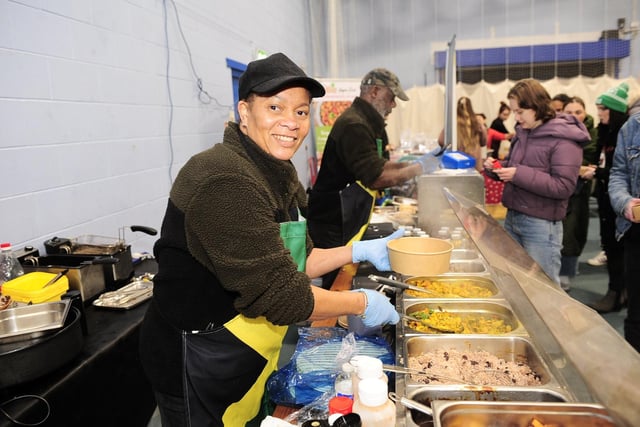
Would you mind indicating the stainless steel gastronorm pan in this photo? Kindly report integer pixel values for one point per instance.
(511, 349)
(465, 308)
(483, 282)
(464, 255)
(498, 414)
(467, 267)
(30, 321)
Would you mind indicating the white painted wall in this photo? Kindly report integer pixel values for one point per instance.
(84, 106)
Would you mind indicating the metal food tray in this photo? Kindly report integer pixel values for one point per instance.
(490, 414)
(90, 244)
(32, 321)
(129, 296)
(484, 282)
(464, 307)
(510, 348)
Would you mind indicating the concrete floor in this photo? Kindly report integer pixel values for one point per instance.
(591, 282)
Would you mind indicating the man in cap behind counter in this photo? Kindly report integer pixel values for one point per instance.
(356, 158)
(235, 261)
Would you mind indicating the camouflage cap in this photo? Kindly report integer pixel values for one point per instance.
(384, 77)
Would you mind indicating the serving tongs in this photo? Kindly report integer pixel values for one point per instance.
(401, 285)
(411, 404)
(411, 371)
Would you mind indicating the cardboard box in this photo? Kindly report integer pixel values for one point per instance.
(636, 212)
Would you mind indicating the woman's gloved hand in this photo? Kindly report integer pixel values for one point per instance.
(375, 251)
(379, 310)
(429, 162)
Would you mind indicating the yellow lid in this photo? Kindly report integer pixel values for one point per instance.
(30, 287)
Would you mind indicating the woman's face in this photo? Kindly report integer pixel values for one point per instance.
(525, 116)
(576, 109)
(603, 114)
(277, 123)
(504, 115)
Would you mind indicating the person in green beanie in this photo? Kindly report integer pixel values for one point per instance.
(612, 112)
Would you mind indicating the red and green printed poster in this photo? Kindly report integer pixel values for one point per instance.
(339, 95)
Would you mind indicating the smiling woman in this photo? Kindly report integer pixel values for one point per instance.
(278, 123)
(234, 252)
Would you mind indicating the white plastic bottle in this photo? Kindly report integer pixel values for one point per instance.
(366, 367)
(344, 382)
(10, 267)
(373, 404)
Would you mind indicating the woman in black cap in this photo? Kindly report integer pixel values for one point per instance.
(235, 260)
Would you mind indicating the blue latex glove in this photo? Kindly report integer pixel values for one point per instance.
(379, 310)
(375, 251)
(429, 162)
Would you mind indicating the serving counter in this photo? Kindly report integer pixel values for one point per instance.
(581, 361)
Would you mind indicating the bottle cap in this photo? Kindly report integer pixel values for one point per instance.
(368, 367)
(340, 405)
(373, 392)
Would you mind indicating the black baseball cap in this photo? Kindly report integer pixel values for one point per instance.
(274, 73)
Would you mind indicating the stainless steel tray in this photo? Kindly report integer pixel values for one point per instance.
(451, 281)
(467, 309)
(31, 321)
(129, 296)
(490, 414)
(510, 349)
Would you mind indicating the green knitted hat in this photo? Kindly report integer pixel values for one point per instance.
(615, 98)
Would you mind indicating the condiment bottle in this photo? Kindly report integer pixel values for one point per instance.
(366, 367)
(373, 404)
(344, 381)
(340, 405)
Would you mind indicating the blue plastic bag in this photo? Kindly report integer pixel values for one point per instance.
(316, 361)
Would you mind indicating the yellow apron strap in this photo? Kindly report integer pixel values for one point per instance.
(363, 229)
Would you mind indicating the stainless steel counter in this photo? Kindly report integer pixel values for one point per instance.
(579, 356)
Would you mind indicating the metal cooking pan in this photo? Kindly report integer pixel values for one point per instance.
(30, 359)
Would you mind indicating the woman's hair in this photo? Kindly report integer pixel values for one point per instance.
(576, 99)
(503, 107)
(530, 94)
(468, 127)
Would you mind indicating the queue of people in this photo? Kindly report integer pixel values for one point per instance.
(241, 238)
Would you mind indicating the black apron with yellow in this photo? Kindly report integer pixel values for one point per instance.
(247, 348)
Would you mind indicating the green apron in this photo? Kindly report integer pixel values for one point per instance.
(263, 336)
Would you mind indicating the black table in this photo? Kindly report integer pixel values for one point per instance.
(104, 385)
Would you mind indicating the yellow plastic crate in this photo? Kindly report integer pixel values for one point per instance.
(30, 287)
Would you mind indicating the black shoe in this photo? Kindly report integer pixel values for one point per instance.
(609, 303)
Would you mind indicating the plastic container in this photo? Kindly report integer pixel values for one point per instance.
(373, 404)
(419, 256)
(10, 267)
(366, 367)
(344, 382)
(30, 287)
(340, 405)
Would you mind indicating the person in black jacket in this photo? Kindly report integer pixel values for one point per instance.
(356, 152)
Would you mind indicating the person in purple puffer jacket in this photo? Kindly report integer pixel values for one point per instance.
(540, 173)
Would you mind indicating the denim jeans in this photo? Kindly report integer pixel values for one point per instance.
(541, 238)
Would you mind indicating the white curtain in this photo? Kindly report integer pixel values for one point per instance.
(423, 115)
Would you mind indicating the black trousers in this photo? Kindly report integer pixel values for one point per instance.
(631, 242)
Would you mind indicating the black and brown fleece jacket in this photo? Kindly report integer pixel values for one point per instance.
(220, 250)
